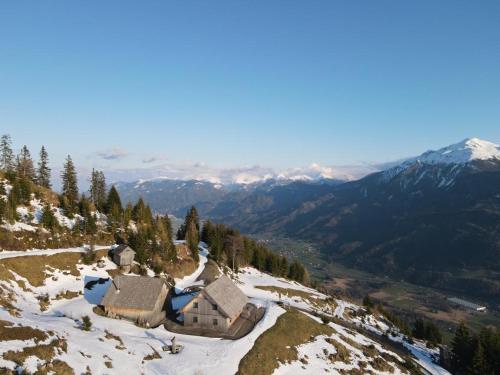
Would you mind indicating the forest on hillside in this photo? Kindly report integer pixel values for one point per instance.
(100, 217)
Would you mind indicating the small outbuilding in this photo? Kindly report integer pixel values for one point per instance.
(137, 298)
(216, 307)
(123, 256)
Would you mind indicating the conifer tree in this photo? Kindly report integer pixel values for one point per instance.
(98, 189)
(48, 219)
(479, 365)
(3, 202)
(21, 191)
(461, 348)
(192, 240)
(191, 216)
(6, 154)
(25, 168)
(70, 186)
(127, 214)
(43, 171)
(114, 208)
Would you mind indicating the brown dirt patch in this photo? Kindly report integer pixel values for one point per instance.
(10, 332)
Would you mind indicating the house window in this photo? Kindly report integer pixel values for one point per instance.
(215, 322)
(195, 305)
(195, 319)
(214, 307)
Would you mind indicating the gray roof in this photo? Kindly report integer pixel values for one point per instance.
(135, 292)
(122, 248)
(229, 298)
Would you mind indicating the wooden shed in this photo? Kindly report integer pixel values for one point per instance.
(216, 307)
(123, 256)
(137, 298)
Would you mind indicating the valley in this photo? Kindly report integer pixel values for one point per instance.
(405, 299)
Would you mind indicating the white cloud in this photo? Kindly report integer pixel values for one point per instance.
(154, 159)
(238, 175)
(113, 153)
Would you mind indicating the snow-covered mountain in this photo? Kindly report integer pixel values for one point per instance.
(440, 168)
(463, 152)
(424, 219)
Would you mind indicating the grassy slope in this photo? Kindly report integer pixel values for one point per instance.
(291, 329)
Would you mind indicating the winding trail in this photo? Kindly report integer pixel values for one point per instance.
(189, 280)
(40, 252)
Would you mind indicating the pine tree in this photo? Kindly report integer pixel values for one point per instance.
(461, 348)
(90, 225)
(48, 219)
(191, 216)
(24, 167)
(21, 191)
(6, 154)
(3, 202)
(479, 365)
(114, 208)
(207, 231)
(84, 206)
(98, 189)
(43, 172)
(127, 214)
(70, 186)
(192, 240)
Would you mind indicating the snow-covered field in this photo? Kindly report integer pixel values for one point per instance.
(119, 347)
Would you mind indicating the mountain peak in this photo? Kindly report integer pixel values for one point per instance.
(462, 152)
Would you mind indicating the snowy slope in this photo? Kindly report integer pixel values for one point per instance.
(463, 152)
(125, 346)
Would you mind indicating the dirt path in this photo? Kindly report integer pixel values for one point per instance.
(40, 252)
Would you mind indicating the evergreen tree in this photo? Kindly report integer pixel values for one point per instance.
(48, 219)
(90, 225)
(98, 194)
(21, 191)
(24, 167)
(69, 186)
(84, 206)
(127, 214)
(297, 272)
(114, 208)
(141, 213)
(206, 231)
(43, 172)
(461, 349)
(479, 365)
(419, 329)
(191, 216)
(6, 154)
(10, 211)
(192, 239)
(3, 202)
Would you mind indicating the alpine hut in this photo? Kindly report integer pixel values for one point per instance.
(123, 256)
(216, 307)
(137, 298)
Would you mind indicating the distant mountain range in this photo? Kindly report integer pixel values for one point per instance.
(433, 219)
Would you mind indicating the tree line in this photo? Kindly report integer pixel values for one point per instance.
(475, 354)
(150, 235)
(228, 246)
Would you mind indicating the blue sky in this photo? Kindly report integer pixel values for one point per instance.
(121, 84)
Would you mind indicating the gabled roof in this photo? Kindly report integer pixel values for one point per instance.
(135, 292)
(229, 298)
(122, 248)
